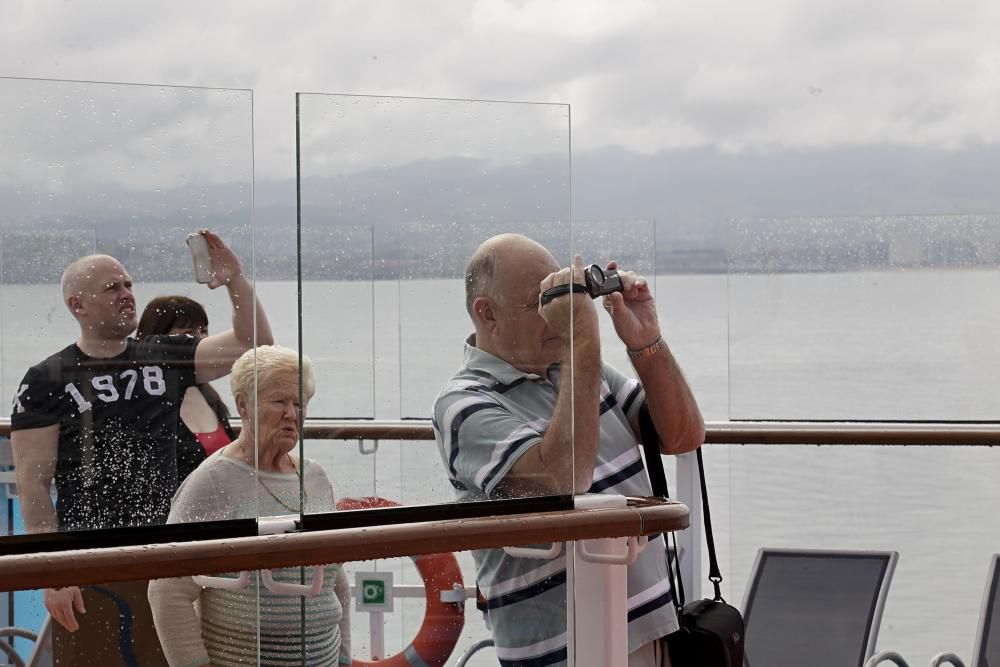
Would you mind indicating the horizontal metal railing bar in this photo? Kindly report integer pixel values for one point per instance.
(852, 433)
(386, 516)
(642, 516)
(73, 540)
(187, 532)
(717, 432)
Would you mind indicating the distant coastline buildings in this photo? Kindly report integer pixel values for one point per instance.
(778, 245)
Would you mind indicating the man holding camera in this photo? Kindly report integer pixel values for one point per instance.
(508, 425)
(101, 418)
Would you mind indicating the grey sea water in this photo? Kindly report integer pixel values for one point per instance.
(877, 345)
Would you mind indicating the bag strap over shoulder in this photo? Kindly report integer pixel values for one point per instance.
(658, 482)
(651, 447)
(714, 575)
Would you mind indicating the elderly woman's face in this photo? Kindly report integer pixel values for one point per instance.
(278, 413)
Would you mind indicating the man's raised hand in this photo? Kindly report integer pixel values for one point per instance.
(633, 310)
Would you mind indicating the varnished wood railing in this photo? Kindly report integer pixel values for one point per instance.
(642, 516)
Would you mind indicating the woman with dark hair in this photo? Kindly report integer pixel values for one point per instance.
(204, 426)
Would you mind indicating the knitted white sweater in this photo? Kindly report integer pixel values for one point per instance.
(210, 626)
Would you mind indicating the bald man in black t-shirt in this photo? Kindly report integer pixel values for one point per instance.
(100, 416)
(117, 421)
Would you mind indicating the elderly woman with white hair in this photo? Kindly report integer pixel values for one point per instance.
(258, 470)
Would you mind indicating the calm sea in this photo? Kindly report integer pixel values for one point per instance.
(892, 345)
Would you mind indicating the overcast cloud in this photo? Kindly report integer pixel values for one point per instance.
(692, 115)
(645, 76)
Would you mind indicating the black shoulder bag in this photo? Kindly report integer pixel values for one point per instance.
(711, 632)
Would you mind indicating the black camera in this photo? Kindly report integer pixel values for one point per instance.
(597, 282)
(600, 282)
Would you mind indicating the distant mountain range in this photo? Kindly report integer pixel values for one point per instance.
(681, 211)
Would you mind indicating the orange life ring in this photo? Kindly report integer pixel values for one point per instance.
(443, 621)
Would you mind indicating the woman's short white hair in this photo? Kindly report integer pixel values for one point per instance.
(270, 361)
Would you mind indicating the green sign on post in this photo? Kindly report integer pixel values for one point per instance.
(373, 591)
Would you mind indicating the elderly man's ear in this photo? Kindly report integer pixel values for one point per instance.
(485, 311)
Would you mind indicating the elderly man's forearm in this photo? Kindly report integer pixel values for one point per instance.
(578, 414)
(563, 462)
(689, 435)
(672, 404)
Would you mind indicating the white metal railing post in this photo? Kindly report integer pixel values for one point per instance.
(596, 584)
(690, 541)
(376, 634)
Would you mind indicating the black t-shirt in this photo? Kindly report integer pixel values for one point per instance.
(118, 428)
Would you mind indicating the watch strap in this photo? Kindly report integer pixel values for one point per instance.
(560, 290)
(648, 351)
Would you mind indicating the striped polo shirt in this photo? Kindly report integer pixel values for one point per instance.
(485, 418)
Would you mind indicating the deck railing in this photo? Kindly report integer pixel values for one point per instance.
(978, 434)
(642, 516)
(963, 434)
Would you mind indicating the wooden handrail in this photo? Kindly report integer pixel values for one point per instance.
(643, 516)
(717, 432)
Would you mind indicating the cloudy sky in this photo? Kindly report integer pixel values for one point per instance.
(674, 89)
(692, 114)
(646, 76)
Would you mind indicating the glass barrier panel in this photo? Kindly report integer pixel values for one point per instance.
(863, 318)
(337, 315)
(432, 179)
(107, 427)
(930, 505)
(338, 298)
(126, 171)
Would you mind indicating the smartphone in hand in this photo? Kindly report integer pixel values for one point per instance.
(199, 255)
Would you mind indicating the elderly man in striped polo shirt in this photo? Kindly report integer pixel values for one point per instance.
(505, 423)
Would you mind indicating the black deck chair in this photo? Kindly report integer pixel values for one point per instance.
(815, 607)
(986, 651)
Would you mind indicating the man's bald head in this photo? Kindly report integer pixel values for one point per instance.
(97, 290)
(78, 275)
(500, 263)
(502, 285)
